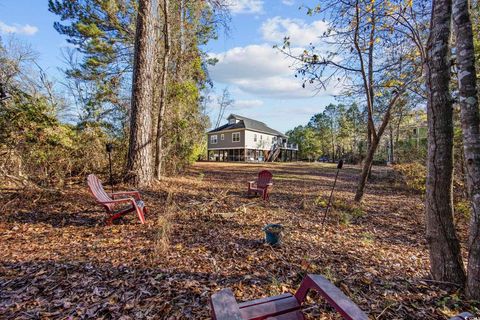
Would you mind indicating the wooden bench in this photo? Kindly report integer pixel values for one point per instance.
(285, 306)
(262, 185)
(110, 201)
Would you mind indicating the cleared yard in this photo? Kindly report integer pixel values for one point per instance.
(59, 261)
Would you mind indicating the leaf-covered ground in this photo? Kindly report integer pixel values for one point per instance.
(59, 261)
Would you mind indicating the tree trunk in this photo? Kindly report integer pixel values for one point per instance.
(139, 164)
(470, 120)
(163, 91)
(367, 166)
(374, 141)
(392, 147)
(333, 141)
(445, 259)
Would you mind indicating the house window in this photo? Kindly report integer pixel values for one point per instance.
(261, 137)
(213, 139)
(232, 121)
(222, 137)
(236, 137)
(255, 137)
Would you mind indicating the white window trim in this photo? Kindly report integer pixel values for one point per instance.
(222, 137)
(234, 134)
(212, 140)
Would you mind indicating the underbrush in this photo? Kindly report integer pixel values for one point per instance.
(414, 175)
(342, 211)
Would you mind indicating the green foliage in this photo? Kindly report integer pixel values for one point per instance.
(185, 138)
(334, 133)
(103, 33)
(462, 207)
(45, 151)
(308, 143)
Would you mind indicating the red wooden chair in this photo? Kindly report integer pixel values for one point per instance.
(285, 306)
(109, 202)
(263, 184)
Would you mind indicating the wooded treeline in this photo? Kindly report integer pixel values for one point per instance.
(339, 132)
(392, 57)
(151, 51)
(135, 77)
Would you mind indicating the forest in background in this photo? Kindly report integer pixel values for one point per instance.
(53, 131)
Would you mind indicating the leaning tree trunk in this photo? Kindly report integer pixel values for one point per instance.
(163, 92)
(374, 142)
(470, 120)
(445, 258)
(139, 164)
(367, 167)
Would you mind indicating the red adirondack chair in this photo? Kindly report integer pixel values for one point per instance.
(262, 185)
(110, 201)
(285, 306)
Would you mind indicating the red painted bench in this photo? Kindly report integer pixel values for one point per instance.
(110, 201)
(285, 306)
(262, 185)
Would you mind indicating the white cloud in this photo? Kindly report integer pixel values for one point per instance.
(300, 33)
(288, 2)
(19, 29)
(250, 62)
(247, 104)
(245, 6)
(262, 71)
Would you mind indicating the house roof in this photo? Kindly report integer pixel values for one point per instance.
(249, 124)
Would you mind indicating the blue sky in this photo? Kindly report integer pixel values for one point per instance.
(259, 78)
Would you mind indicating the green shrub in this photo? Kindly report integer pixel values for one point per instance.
(45, 151)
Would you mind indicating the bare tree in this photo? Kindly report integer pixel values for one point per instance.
(364, 50)
(470, 119)
(140, 158)
(163, 90)
(445, 258)
(224, 102)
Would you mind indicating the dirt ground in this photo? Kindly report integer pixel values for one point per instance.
(59, 261)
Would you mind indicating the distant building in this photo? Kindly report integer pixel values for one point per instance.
(244, 139)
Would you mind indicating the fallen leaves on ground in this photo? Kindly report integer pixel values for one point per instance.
(59, 260)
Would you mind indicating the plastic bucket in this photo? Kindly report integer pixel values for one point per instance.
(273, 234)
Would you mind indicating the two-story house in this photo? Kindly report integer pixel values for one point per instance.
(244, 139)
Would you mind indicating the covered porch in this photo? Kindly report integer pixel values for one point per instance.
(250, 155)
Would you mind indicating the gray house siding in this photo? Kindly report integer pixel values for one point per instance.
(257, 142)
(227, 143)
